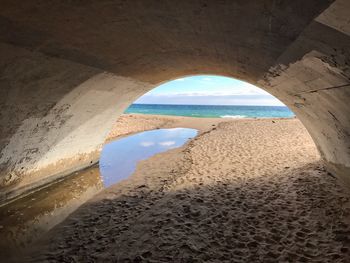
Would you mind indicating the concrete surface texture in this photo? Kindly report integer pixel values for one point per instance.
(68, 68)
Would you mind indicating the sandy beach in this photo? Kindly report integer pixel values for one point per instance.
(243, 190)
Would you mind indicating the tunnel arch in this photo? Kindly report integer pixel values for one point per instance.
(207, 74)
(325, 150)
(62, 76)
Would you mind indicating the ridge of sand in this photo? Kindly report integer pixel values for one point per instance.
(132, 123)
(243, 191)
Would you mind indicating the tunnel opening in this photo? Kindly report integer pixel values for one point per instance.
(199, 96)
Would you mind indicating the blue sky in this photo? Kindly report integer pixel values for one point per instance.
(208, 90)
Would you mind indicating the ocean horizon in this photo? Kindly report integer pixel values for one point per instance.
(212, 111)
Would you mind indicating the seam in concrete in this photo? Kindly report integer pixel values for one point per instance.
(317, 90)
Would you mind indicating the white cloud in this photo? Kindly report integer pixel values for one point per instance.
(244, 89)
(254, 99)
(147, 144)
(209, 90)
(167, 143)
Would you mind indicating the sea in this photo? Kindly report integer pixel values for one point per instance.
(212, 111)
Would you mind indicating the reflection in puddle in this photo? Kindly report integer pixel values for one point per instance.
(26, 219)
(119, 158)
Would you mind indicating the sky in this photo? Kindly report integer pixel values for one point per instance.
(208, 90)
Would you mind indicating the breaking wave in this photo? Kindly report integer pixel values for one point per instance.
(233, 116)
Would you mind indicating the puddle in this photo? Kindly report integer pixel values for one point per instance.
(26, 219)
(119, 158)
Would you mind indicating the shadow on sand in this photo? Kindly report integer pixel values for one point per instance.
(300, 215)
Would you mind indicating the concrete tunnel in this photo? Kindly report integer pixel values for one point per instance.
(68, 68)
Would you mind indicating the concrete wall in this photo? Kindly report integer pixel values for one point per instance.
(316, 92)
(313, 77)
(55, 117)
(68, 69)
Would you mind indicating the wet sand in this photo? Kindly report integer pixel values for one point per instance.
(241, 191)
(132, 123)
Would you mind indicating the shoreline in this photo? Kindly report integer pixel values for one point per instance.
(151, 121)
(211, 111)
